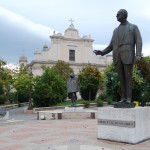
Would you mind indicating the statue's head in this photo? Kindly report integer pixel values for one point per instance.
(72, 75)
(122, 15)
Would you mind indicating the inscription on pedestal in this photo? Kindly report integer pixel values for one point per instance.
(120, 123)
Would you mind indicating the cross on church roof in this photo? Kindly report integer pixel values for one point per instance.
(71, 20)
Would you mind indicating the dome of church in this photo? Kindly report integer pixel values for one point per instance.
(22, 58)
(45, 47)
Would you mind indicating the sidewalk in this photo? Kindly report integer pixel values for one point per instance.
(68, 134)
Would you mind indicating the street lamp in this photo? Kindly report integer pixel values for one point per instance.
(30, 107)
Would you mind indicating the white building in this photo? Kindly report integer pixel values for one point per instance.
(71, 48)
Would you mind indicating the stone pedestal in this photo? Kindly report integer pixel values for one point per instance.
(26, 111)
(129, 125)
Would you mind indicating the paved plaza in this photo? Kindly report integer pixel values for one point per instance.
(68, 134)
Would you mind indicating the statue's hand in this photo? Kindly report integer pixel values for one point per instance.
(137, 58)
(98, 52)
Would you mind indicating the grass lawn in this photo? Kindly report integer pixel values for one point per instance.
(7, 104)
(68, 102)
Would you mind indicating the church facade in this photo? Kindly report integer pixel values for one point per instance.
(71, 48)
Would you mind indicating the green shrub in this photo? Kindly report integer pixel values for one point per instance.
(12, 97)
(2, 99)
(88, 94)
(109, 100)
(104, 98)
(22, 85)
(140, 82)
(48, 89)
(147, 59)
(23, 95)
(143, 67)
(89, 80)
(112, 83)
(100, 99)
(86, 104)
(1, 89)
(99, 103)
(137, 84)
(63, 68)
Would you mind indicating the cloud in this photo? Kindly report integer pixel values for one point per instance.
(19, 33)
(25, 23)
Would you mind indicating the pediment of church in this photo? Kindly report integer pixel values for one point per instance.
(71, 32)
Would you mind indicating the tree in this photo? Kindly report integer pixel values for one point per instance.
(140, 82)
(63, 69)
(2, 96)
(137, 85)
(147, 59)
(2, 63)
(22, 84)
(144, 69)
(49, 88)
(6, 82)
(112, 86)
(144, 66)
(89, 79)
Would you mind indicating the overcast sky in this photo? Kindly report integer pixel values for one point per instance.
(25, 25)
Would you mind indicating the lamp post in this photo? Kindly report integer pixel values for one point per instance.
(30, 107)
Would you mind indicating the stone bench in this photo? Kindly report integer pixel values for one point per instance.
(67, 113)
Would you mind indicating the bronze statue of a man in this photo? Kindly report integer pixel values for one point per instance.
(124, 40)
(72, 88)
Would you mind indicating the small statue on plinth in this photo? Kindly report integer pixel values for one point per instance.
(30, 106)
(72, 88)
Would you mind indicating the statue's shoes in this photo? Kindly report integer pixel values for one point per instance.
(123, 100)
(128, 101)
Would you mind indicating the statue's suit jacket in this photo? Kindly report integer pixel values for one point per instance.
(125, 47)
